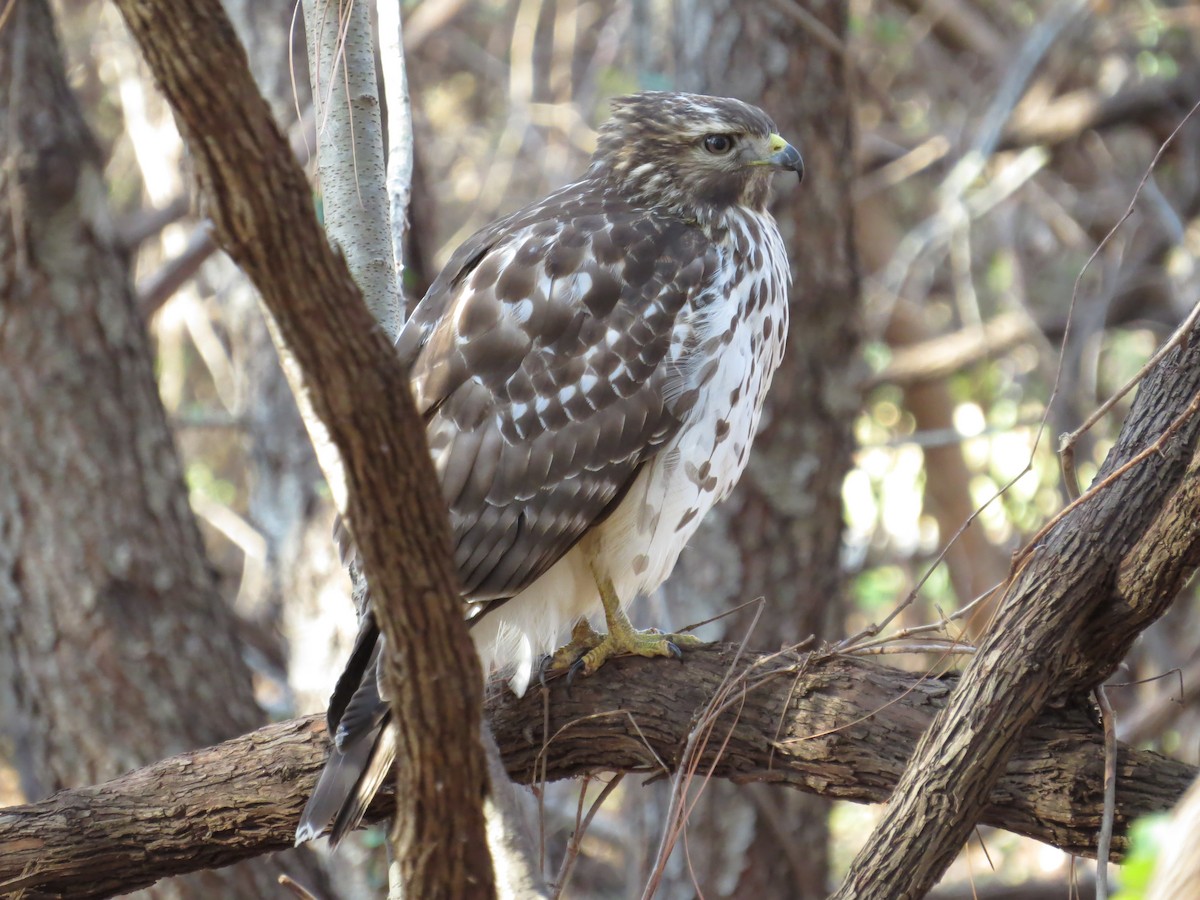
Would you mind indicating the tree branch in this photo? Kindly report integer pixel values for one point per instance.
(1069, 115)
(399, 133)
(935, 358)
(1078, 597)
(350, 159)
(836, 726)
(262, 213)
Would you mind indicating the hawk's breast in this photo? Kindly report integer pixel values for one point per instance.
(739, 328)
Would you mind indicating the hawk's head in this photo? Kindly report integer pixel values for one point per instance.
(691, 152)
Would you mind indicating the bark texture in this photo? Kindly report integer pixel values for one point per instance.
(1077, 599)
(262, 213)
(115, 647)
(842, 727)
(779, 535)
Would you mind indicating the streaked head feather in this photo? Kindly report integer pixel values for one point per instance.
(653, 151)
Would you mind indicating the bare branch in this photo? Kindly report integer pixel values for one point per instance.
(1110, 792)
(399, 133)
(938, 357)
(158, 287)
(836, 726)
(350, 160)
(1069, 115)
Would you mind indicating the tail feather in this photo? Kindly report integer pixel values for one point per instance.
(359, 671)
(373, 771)
(363, 718)
(363, 746)
(339, 788)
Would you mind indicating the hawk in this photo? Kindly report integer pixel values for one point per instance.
(590, 370)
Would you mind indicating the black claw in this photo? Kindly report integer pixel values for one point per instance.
(576, 668)
(675, 651)
(542, 669)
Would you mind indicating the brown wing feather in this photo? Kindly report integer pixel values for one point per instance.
(542, 361)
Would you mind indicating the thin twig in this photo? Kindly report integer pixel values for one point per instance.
(1154, 716)
(928, 645)
(572, 850)
(1156, 447)
(983, 847)
(1066, 446)
(940, 625)
(575, 844)
(760, 600)
(540, 780)
(542, 751)
(689, 761)
(1067, 443)
(910, 599)
(787, 704)
(296, 13)
(344, 29)
(296, 889)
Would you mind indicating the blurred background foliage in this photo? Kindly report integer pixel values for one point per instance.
(998, 144)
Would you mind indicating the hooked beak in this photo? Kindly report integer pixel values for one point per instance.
(785, 156)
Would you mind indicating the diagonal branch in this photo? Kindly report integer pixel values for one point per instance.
(839, 727)
(1076, 601)
(263, 216)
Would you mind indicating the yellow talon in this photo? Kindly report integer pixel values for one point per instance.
(584, 639)
(588, 650)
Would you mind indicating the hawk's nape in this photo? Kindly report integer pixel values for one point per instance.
(590, 371)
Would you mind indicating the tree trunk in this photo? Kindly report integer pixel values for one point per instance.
(779, 535)
(115, 647)
(262, 213)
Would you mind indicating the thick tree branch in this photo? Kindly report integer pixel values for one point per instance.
(1079, 597)
(263, 216)
(840, 727)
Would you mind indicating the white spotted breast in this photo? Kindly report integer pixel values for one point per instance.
(733, 340)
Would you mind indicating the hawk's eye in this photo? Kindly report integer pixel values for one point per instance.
(718, 144)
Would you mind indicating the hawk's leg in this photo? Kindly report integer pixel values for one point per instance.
(588, 650)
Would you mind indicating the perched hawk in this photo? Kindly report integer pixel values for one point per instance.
(591, 371)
